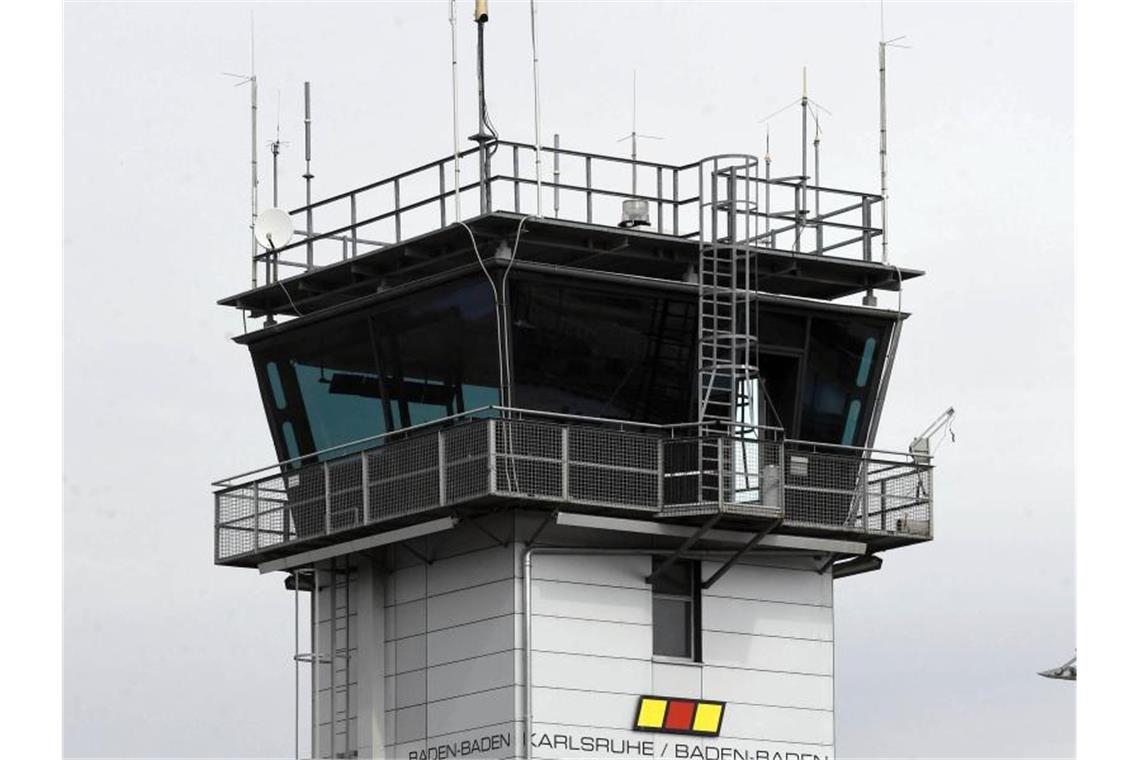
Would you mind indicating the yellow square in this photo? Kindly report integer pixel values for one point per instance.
(652, 713)
(707, 719)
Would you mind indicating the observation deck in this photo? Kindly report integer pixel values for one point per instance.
(471, 463)
(805, 240)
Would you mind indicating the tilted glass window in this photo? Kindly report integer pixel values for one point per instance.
(582, 348)
(420, 357)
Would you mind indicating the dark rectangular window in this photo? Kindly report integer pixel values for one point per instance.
(585, 348)
(676, 610)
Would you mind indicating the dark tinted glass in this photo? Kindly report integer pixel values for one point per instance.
(581, 349)
(672, 628)
(673, 609)
(843, 365)
(417, 358)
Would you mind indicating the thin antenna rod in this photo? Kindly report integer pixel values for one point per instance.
(633, 134)
(801, 201)
(275, 148)
(768, 187)
(537, 112)
(883, 138)
(816, 180)
(253, 153)
(308, 175)
(482, 137)
(455, 110)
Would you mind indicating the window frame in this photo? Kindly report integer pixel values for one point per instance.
(694, 623)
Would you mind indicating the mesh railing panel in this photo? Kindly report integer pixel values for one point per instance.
(811, 485)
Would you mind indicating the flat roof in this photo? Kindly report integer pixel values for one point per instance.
(569, 245)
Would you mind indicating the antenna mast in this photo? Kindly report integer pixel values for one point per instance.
(801, 200)
(455, 109)
(308, 175)
(537, 112)
(253, 154)
(275, 148)
(482, 137)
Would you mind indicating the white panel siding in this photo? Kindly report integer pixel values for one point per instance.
(585, 673)
(471, 640)
(785, 724)
(471, 604)
(678, 680)
(574, 636)
(767, 653)
(766, 618)
(762, 583)
(474, 569)
(470, 712)
(596, 710)
(469, 676)
(766, 688)
(589, 602)
(604, 570)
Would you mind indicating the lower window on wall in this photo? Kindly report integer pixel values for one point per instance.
(676, 610)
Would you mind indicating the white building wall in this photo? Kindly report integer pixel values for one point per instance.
(435, 664)
(767, 652)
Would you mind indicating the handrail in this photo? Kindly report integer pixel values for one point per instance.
(400, 199)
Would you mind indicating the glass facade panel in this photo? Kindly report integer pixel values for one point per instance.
(625, 353)
(414, 359)
(843, 357)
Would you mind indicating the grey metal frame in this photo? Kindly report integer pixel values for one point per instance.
(585, 462)
(415, 201)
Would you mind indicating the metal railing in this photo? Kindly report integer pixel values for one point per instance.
(655, 470)
(790, 214)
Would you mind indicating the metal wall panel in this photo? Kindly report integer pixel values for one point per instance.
(471, 640)
(592, 602)
(765, 687)
(768, 653)
(762, 583)
(605, 639)
(585, 673)
(471, 605)
(767, 618)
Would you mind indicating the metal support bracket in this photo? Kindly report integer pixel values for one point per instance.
(688, 544)
(421, 557)
(739, 553)
(501, 542)
(551, 516)
(827, 565)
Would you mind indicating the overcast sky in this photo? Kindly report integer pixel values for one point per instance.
(168, 656)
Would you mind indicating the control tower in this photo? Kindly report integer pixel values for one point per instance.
(568, 470)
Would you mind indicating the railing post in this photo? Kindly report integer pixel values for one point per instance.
(660, 200)
(396, 195)
(442, 198)
(328, 499)
(256, 517)
(720, 474)
(660, 474)
(676, 207)
(364, 487)
(515, 168)
(217, 526)
(492, 479)
(589, 191)
(566, 463)
(866, 493)
(883, 504)
(866, 228)
(352, 209)
(442, 463)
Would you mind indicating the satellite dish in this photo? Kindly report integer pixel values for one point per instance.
(273, 228)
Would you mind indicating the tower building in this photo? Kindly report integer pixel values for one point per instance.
(567, 470)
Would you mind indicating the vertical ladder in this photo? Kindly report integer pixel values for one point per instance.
(727, 371)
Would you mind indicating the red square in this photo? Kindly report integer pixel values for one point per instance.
(680, 715)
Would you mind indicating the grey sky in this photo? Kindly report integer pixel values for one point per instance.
(167, 656)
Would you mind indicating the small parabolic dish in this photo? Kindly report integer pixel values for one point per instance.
(273, 228)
